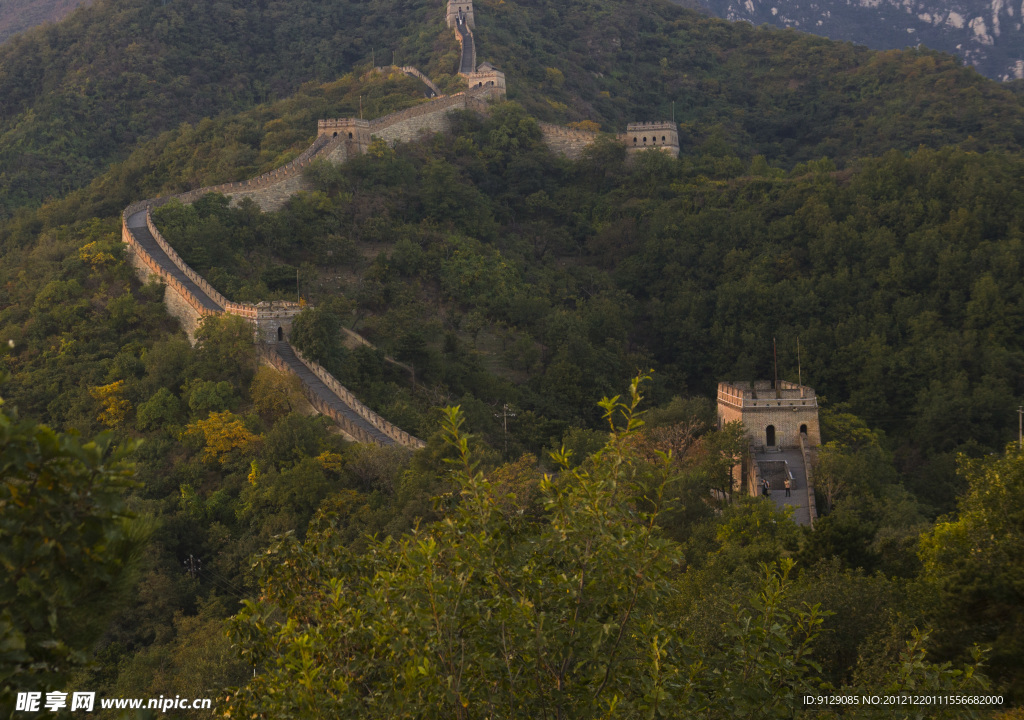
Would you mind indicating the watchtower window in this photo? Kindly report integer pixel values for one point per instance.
(350, 136)
(769, 436)
(280, 334)
(803, 429)
(634, 139)
(663, 138)
(645, 140)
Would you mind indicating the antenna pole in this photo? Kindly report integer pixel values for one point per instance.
(799, 374)
(775, 359)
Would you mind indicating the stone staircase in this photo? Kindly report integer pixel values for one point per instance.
(468, 62)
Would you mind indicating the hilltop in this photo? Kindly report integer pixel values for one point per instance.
(79, 95)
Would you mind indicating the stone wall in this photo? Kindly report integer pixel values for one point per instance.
(180, 307)
(408, 125)
(467, 50)
(349, 431)
(392, 431)
(191, 274)
(402, 126)
(274, 196)
(180, 303)
(570, 142)
(805, 452)
(268, 190)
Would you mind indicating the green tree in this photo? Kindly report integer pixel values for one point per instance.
(490, 612)
(159, 411)
(972, 566)
(225, 350)
(68, 549)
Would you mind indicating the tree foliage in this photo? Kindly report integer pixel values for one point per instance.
(68, 549)
(972, 568)
(562, 614)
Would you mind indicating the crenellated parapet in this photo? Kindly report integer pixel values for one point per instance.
(567, 141)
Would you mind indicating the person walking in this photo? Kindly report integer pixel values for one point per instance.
(789, 484)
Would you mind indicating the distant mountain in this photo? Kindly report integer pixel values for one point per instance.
(987, 34)
(18, 15)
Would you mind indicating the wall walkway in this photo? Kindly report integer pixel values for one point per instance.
(468, 62)
(798, 499)
(332, 399)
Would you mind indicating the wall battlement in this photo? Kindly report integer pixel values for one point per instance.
(570, 142)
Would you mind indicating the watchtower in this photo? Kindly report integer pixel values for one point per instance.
(274, 320)
(662, 136)
(486, 76)
(774, 418)
(355, 131)
(461, 10)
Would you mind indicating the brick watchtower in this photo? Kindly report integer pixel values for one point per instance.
(274, 320)
(463, 8)
(356, 132)
(773, 418)
(486, 76)
(663, 136)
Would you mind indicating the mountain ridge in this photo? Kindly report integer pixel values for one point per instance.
(986, 35)
(80, 94)
(19, 15)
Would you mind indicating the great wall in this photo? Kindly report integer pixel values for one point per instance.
(190, 298)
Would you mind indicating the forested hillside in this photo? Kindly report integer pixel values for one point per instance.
(566, 559)
(80, 94)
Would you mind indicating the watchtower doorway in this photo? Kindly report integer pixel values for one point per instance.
(280, 334)
(803, 429)
(769, 436)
